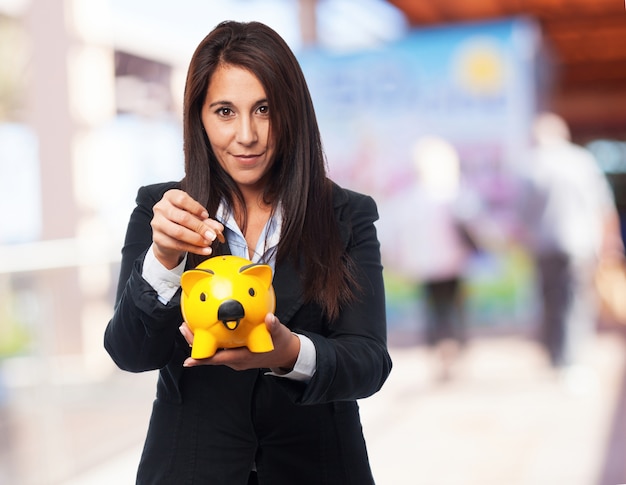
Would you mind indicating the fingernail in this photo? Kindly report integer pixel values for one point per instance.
(210, 235)
(205, 215)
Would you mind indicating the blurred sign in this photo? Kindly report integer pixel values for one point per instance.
(472, 84)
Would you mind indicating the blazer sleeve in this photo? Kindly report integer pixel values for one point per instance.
(143, 332)
(352, 357)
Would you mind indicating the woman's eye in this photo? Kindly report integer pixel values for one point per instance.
(224, 111)
(264, 109)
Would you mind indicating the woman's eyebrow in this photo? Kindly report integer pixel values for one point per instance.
(230, 103)
(220, 103)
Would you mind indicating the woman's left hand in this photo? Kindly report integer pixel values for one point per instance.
(281, 359)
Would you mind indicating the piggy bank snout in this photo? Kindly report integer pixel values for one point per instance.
(230, 312)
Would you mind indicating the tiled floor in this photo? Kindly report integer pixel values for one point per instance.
(504, 419)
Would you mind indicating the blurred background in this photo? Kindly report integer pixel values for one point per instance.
(90, 98)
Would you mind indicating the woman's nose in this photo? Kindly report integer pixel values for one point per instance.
(246, 131)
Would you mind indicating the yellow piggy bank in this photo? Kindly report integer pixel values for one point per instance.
(224, 302)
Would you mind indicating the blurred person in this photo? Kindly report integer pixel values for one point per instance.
(431, 243)
(570, 224)
(256, 186)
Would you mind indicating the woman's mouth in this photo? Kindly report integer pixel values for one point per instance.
(248, 158)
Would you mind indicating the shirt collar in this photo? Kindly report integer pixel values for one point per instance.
(268, 240)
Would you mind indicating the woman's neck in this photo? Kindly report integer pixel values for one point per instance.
(252, 218)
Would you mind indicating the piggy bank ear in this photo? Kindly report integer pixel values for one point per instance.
(191, 277)
(261, 271)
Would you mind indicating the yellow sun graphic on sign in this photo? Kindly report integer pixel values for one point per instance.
(479, 67)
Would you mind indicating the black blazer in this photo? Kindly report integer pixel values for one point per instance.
(212, 424)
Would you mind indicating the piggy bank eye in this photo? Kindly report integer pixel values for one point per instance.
(251, 292)
(202, 296)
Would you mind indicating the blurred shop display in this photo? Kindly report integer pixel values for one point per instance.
(471, 84)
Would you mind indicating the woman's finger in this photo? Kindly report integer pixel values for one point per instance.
(184, 201)
(187, 333)
(179, 208)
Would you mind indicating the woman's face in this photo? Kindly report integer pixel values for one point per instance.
(236, 118)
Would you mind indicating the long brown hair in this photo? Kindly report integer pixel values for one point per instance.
(298, 176)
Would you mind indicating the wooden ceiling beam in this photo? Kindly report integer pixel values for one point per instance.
(598, 47)
(449, 11)
(585, 76)
(422, 12)
(595, 38)
(426, 12)
(555, 9)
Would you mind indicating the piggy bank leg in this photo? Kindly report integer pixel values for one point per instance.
(259, 339)
(204, 345)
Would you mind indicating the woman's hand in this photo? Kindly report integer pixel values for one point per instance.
(281, 360)
(180, 225)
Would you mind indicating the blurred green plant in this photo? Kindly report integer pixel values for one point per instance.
(499, 292)
(14, 335)
(14, 62)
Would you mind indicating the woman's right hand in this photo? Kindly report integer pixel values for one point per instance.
(180, 225)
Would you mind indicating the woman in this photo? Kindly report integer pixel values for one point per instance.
(255, 186)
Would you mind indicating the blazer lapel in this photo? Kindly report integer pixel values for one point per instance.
(289, 291)
(287, 283)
